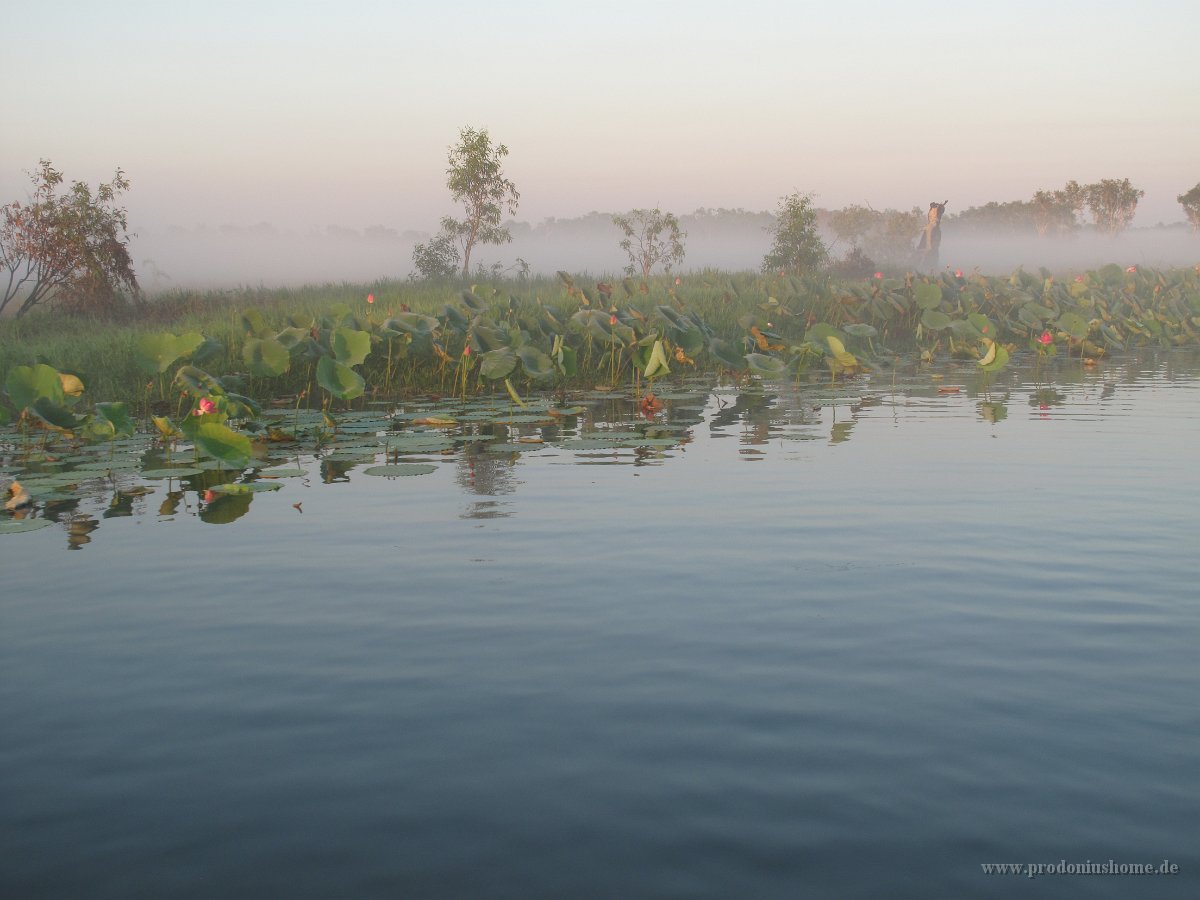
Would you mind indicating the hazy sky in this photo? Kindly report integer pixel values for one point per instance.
(306, 114)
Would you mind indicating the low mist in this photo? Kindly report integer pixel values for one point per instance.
(263, 255)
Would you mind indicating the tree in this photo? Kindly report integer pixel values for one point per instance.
(72, 248)
(438, 257)
(1011, 216)
(797, 247)
(1113, 204)
(1057, 212)
(1191, 206)
(885, 236)
(477, 181)
(651, 237)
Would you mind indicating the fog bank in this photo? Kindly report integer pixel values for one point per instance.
(262, 255)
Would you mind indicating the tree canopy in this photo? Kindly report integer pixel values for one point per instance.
(70, 247)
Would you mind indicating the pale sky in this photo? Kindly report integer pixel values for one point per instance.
(307, 114)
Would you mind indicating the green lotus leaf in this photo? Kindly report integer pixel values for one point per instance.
(17, 526)
(223, 444)
(177, 472)
(766, 366)
(983, 325)
(197, 382)
(928, 296)
(497, 364)
(861, 330)
(1073, 324)
(266, 357)
(252, 487)
(53, 415)
(727, 354)
(25, 384)
(154, 353)
(537, 365)
(401, 470)
(934, 319)
(253, 322)
(116, 416)
(998, 363)
(282, 472)
(339, 379)
(412, 323)
(209, 349)
(350, 347)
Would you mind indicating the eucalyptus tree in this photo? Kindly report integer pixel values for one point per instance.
(1113, 204)
(1191, 206)
(650, 238)
(475, 177)
(796, 241)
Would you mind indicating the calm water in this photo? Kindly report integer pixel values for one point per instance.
(848, 642)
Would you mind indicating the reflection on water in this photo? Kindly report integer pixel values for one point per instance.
(849, 640)
(494, 447)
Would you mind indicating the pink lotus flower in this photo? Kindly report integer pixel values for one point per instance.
(958, 273)
(878, 274)
(1046, 338)
(467, 350)
(370, 298)
(1079, 279)
(1132, 270)
(679, 281)
(612, 320)
(206, 406)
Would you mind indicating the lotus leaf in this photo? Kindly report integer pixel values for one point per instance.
(928, 296)
(769, 367)
(339, 379)
(497, 364)
(350, 347)
(25, 384)
(53, 415)
(252, 487)
(401, 470)
(537, 365)
(266, 357)
(1073, 324)
(223, 444)
(177, 472)
(934, 319)
(16, 526)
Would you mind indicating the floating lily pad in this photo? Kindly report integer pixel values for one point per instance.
(253, 487)
(583, 444)
(282, 472)
(16, 526)
(179, 472)
(507, 447)
(400, 470)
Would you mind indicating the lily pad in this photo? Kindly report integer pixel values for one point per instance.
(400, 470)
(180, 472)
(253, 487)
(16, 526)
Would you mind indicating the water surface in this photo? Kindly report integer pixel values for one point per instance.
(849, 641)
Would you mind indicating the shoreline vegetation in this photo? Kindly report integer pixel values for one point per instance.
(340, 345)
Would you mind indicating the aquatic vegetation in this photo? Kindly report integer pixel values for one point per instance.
(327, 380)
